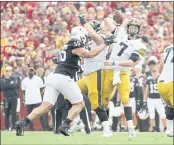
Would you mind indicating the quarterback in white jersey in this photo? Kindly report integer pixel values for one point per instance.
(125, 54)
(165, 86)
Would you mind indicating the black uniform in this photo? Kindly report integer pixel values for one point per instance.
(153, 90)
(10, 88)
(68, 62)
(143, 125)
(134, 87)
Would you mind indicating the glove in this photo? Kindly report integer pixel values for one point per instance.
(109, 40)
(55, 60)
(145, 105)
(23, 102)
(68, 104)
(82, 19)
(138, 105)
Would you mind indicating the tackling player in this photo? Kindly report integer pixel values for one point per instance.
(61, 80)
(165, 86)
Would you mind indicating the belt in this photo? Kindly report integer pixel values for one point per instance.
(161, 81)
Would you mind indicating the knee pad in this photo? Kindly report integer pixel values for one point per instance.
(128, 113)
(169, 113)
(102, 115)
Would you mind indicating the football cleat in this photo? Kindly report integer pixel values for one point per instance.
(77, 127)
(19, 126)
(169, 133)
(132, 132)
(107, 133)
(64, 129)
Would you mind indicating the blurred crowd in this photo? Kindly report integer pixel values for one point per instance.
(32, 33)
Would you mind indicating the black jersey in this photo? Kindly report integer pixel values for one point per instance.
(68, 62)
(140, 91)
(153, 89)
(134, 84)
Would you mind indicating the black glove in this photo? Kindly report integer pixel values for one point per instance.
(55, 60)
(68, 104)
(145, 105)
(109, 40)
(138, 105)
(82, 19)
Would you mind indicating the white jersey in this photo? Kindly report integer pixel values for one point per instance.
(167, 72)
(122, 50)
(96, 63)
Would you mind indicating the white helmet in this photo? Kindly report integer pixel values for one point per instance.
(143, 114)
(114, 111)
(79, 33)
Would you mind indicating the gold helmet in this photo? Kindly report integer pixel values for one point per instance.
(133, 27)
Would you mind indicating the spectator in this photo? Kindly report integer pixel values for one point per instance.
(9, 86)
(32, 85)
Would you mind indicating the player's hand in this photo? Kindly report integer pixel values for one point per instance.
(145, 105)
(82, 19)
(23, 102)
(109, 40)
(108, 63)
(55, 60)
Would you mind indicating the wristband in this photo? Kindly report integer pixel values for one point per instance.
(116, 63)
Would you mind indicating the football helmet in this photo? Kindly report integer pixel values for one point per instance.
(114, 111)
(143, 114)
(133, 27)
(79, 33)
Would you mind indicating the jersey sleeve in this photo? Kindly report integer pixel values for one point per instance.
(140, 52)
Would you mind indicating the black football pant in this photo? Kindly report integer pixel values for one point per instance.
(10, 105)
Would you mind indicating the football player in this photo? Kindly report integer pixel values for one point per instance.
(93, 80)
(153, 99)
(165, 86)
(134, 93)
(125, 55)
(61, 80)
(143, 125)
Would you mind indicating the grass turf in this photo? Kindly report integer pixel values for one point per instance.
(48, 138)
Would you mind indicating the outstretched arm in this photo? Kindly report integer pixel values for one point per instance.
(94, 52)
(94, 36)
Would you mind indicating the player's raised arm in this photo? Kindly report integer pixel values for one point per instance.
(82, 52)
(113, 21)
(91, 32)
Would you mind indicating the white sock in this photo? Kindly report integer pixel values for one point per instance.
(169, 124)
(105, 125)
(130, 124)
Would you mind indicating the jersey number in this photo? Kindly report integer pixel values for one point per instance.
(124, 47)
(63, 56)
(168, 52)
(153, 88)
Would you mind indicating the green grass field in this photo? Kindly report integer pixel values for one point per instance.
(48, 138)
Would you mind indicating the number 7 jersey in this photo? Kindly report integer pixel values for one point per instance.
(167, 72)
(123, 49)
